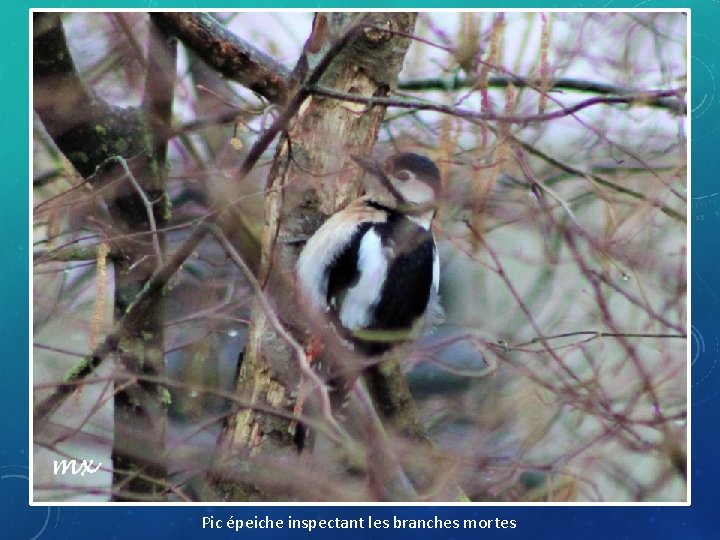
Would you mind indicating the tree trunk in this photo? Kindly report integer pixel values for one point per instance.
(123, 151)
(139, 470)
(312, 176)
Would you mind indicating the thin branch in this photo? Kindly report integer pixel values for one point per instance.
(672, 104)
(502, 274)
(638, 302)
(131, 36)
(466, 114)
(386, 474)
(68, 254)
(594, 334)
(148, 208)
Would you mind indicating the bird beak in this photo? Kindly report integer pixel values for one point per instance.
(374, 168)
(369, 165)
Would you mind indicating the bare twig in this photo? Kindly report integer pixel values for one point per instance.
(386, 474)
(147, 203)
(596, 334)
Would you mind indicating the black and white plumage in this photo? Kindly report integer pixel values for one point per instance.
(373, 267)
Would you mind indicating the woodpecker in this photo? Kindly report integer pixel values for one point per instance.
(373, 267)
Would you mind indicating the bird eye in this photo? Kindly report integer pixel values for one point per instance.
(403, 176)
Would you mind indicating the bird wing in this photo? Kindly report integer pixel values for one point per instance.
(380, 285)
(410, 276)
(326, 246)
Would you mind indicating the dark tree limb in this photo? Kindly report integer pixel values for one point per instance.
(124, 150)
(86, 129)
(130, 322)
(672, 104)
(230, 55)
(140, 407)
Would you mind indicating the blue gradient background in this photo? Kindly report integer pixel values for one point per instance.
(700, 521)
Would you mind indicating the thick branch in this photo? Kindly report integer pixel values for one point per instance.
(140, 408)
(160, 89)
(85, 128)
(230, 55)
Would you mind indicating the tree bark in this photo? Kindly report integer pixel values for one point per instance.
(228, 54)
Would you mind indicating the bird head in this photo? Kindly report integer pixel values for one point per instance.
(412, 181)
